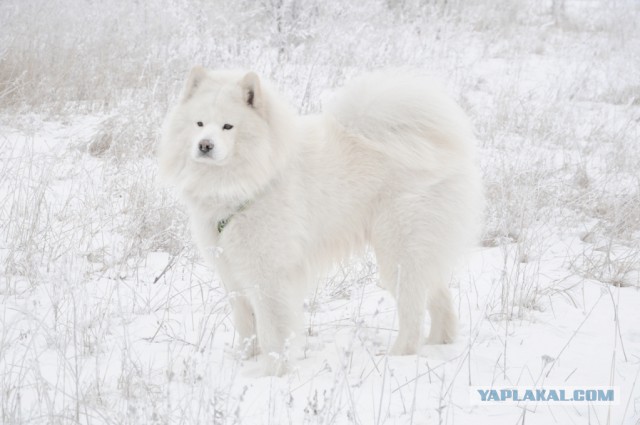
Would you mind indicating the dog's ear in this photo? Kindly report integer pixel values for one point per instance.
(196, 76)
(251, 91)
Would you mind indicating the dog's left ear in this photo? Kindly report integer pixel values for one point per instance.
(251, 91)
(196, 76)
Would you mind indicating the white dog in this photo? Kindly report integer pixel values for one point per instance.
(275, 198)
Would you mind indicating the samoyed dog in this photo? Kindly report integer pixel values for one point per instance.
(276, 198)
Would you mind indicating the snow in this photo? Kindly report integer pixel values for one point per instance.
(109, 315)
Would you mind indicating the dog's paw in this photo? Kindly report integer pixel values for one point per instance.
(249, 348)
(275, 364)
(245, 350)
(441, 336)
(439, 339)
(403, 348)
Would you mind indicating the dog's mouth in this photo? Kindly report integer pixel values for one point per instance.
(210, 157)
(204, 157)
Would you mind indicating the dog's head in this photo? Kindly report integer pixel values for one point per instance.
(223, 139)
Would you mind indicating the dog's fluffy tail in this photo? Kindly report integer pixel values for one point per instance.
(408, 117)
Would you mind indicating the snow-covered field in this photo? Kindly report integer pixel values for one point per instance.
(108, 315)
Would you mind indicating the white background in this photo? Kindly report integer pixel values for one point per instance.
(89, 333)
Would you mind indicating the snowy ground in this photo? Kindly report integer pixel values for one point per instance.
(107, 314)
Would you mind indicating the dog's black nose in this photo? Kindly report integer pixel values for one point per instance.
(205, 145)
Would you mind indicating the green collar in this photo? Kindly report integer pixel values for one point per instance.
(223, 223)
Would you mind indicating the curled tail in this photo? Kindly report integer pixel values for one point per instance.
(408, 117)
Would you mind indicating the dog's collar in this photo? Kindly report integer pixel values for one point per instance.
(223, 223)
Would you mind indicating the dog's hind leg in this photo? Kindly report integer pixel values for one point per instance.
(444, 321)
(415, 268)
(399, 278)
(418, 287)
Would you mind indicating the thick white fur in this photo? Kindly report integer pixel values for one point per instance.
(390, 164)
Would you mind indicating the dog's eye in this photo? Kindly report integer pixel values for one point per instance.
(227, 127)
(199, 123)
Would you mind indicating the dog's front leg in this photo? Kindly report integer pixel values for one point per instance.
(244, 320)
(279, 318)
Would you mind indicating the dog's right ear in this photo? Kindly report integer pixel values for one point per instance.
(252, 92)
(196, 76)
